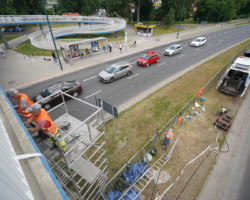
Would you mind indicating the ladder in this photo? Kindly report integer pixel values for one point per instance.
(149, 175)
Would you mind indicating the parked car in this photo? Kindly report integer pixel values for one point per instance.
(198, 42)
(173, 49)
(236, 79)
(73, 88)
(14, 29)
(115, 71)
(247, 54)
(148, 59)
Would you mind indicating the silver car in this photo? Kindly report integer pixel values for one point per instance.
(173, 49)
(115, 71)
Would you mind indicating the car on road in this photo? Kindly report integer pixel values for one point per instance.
(247, 54)
(115, 71)
(14, 29)
(173, 49)
(53, 94)
(198, 42)
(148, 59)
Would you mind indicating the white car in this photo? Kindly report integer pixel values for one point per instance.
(198, 42)
(173, 49)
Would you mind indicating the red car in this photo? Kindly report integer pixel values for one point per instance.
(148, 58)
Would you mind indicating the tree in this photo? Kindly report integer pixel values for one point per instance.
(169, 18)
(146, 10)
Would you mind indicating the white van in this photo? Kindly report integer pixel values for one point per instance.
(236, 79)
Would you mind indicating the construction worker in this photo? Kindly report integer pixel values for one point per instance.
(168, 138)
(23, 102)
(44, 125)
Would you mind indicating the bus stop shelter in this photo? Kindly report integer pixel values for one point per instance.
(84, 48)
(144, 30)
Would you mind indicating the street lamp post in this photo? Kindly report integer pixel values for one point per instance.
(45, 12)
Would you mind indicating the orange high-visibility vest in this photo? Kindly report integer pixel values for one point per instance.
(199, 92)
(30, 103)
(169, 135)
(52, 129)
(180, 119)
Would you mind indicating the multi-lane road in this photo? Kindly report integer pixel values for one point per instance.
(143, 78)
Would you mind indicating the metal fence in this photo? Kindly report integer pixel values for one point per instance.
(160, 134)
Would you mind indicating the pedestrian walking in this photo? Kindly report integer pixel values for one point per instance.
(44, 126)
(110, 47)
(168, 138)
(120, 47)
(23, 102)
(69, 59)
(2, 52)
(54, 57)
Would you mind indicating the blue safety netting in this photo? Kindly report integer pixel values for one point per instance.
(113, 195)
(131, 194)
(135, 172)
(130, 176)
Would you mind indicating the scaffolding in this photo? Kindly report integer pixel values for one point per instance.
(83, 169)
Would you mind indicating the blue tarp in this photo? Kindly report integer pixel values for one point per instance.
(135, 171)
(131, 194)
(113, 195)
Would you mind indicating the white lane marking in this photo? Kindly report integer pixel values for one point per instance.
(208, 37)
(133, 76)
(197, 49)
(209, 44)
(184, 45)
(89, 78)
(220, 40)
(161, 64)
(182, 55)
(93, 94)
(133, 62)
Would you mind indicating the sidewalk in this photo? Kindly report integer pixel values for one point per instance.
(219, 179)
(19, 71)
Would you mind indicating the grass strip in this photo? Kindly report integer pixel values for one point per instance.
(9, 38)
(136, 124)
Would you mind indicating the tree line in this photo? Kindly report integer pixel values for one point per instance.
(169, 12)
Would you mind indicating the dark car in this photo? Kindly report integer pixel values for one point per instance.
(148, 59)
(247, 54)
(14, 29)
(73, 88)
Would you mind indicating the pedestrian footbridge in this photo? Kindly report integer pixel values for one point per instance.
(85, 25)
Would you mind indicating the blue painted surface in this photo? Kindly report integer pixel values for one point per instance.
(45, 164)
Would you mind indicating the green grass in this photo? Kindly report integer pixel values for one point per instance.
(161, 30)
(9, 38)
(153, 112)
(27, 48)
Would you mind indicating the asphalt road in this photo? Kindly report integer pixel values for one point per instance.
(142, 78)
